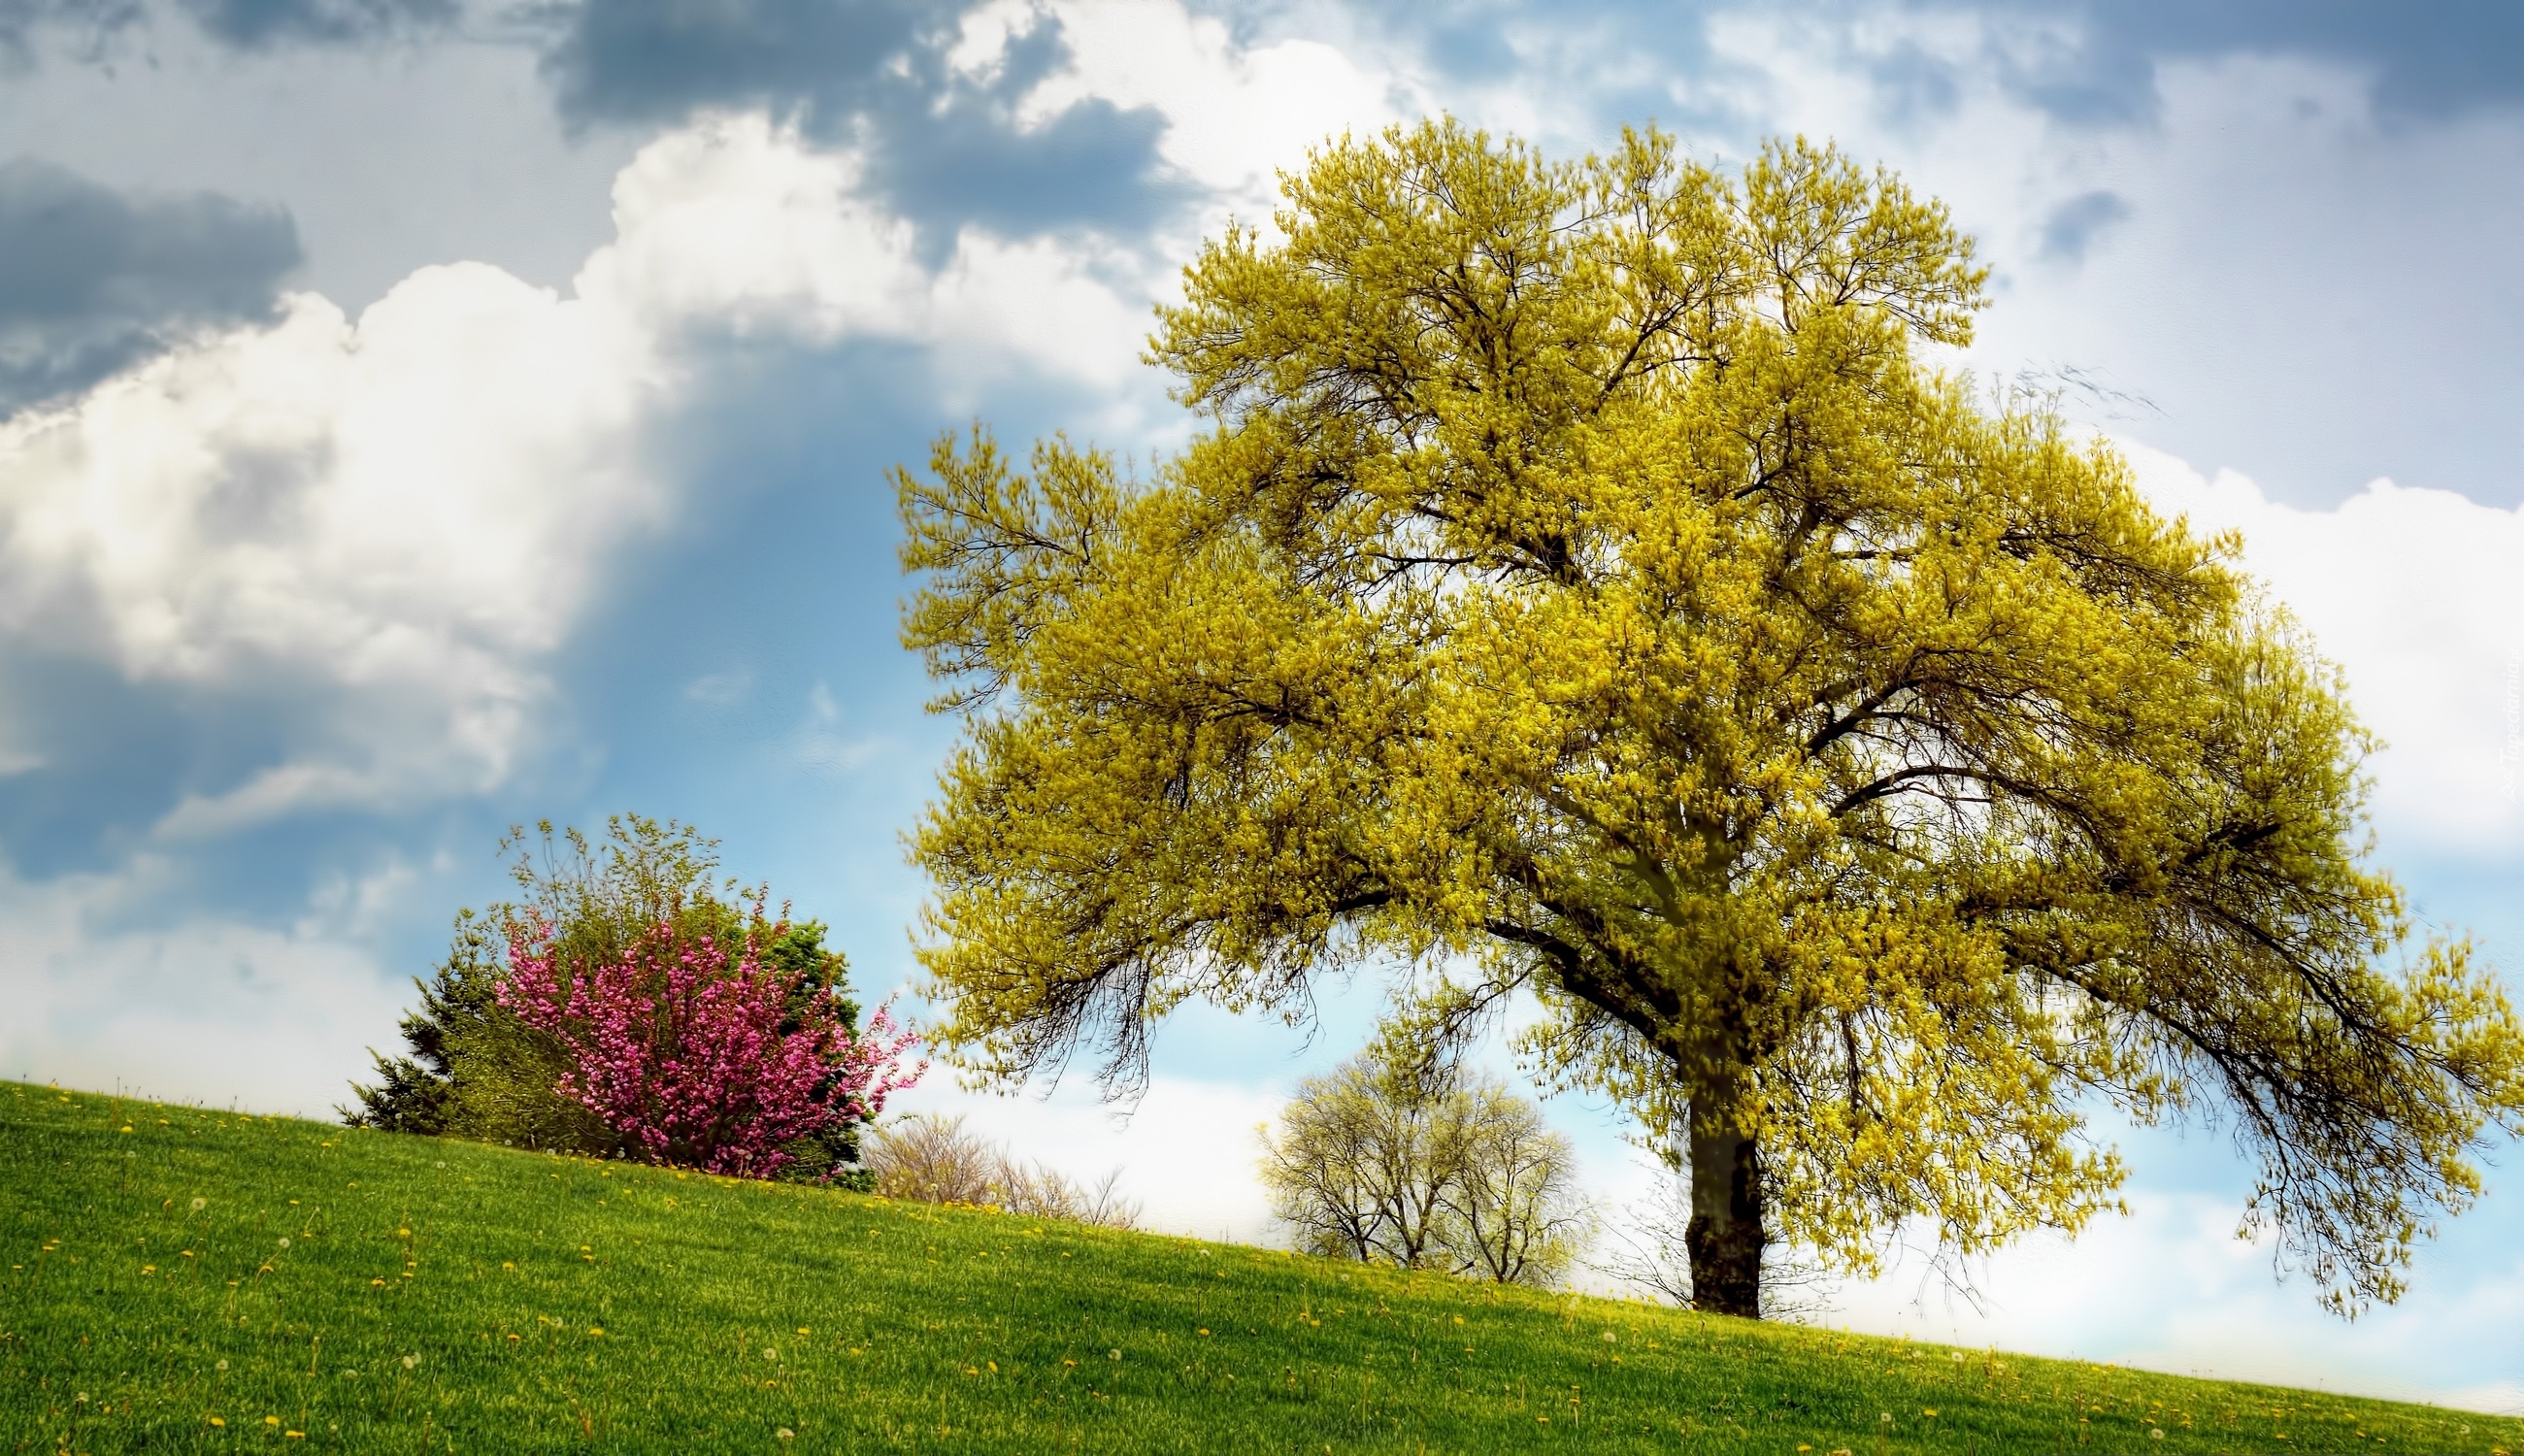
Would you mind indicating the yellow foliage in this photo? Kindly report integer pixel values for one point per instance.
(1587, 585)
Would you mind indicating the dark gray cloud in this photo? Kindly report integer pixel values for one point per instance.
(256, 24)
(83, 27)
(1094, 165)
(944, 148)
(89, 30)
(2074, 225)
(654, 60)
(2088, 62)
(91, 278)
(2424, 60)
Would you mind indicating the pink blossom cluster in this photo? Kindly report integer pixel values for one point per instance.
(681, 1052)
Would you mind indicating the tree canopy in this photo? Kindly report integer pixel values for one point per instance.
(1397, 1158)
(1587, 584)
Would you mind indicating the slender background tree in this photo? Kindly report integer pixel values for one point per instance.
(1397, 1157)
(1587, 586)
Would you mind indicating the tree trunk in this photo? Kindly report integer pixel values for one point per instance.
(1724, 1237)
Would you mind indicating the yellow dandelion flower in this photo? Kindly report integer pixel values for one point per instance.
(376, 1284)
(215, 1421)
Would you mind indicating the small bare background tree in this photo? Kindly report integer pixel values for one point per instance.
(1403, 1158)
(932, 1159)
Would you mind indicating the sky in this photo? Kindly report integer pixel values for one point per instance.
(422, 416)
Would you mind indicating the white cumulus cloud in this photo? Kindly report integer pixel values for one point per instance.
(406, 513)
(2418, 594)
(401, 508)
(1236, 112)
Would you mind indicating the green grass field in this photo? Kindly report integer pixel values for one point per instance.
(189, 1279)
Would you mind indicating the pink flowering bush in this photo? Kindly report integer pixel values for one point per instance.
(698, 1060)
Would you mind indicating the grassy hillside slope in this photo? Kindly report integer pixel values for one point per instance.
(188, 1279)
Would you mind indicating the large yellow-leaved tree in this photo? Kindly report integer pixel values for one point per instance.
(1583, 586)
